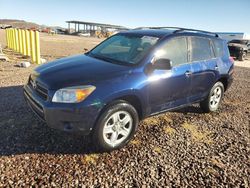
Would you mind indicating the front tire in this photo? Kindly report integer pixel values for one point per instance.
(116, 126)
(213, 100)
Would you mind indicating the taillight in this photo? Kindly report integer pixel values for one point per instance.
(231, 59)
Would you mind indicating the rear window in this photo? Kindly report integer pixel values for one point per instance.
(200, 49)
(218, 48)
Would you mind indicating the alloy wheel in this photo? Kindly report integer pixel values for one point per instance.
(117, 128)
(215, 97)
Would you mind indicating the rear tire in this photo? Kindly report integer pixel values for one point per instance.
(213, 100)
(116, 126)
(243, 56)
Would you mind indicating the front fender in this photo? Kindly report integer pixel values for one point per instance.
(124, 94)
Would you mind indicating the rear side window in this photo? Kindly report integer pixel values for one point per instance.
(218, 48)
(200, 49)
(175, 50)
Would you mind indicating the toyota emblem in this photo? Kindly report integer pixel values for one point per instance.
(34, 85)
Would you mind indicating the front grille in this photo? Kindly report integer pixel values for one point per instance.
(35, 106)
(38, 88)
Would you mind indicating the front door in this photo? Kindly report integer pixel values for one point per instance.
(170, 88)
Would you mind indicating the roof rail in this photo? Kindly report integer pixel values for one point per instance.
(180, 29)
(138, 28)
(157, 28)
(196, 30)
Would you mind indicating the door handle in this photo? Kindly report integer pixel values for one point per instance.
(188, 73)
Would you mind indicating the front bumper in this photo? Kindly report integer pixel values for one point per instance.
(76, 118)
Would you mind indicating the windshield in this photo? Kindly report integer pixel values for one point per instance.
(124, 49)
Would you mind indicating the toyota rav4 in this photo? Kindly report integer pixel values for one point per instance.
(128, 77)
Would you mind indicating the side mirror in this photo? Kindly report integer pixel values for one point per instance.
(162, 64)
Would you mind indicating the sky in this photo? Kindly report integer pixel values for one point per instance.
(211, 15)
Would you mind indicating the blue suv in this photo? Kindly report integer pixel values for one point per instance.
(128, 77)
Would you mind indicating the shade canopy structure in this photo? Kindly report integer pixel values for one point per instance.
(83, 27)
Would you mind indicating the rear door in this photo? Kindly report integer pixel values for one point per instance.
(204, 67)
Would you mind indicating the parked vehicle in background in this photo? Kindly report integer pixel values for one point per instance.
(228, 36)
(128, 77)
(34, 29)
(48, 30)
(60, 31)
(239, 48)
(5, 26)
(82, 34)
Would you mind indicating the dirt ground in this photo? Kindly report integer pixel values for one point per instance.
(245, 63)
(184, 148)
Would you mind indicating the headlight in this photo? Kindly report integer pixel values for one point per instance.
(73, 94)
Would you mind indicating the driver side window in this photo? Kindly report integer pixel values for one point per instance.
(176, 50)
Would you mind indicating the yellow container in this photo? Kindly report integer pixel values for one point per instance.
(38, 59)
(10, 38)
(14, 39)
(7, 39)
(17, 40)
(20, 41)
(27, 37)
(32, 46)
(24, 43)
(10, 32)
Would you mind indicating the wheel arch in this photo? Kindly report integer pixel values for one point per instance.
(135, 102)
(132, 98)
(224, 81)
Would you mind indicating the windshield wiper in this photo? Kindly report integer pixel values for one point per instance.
(101, 57)
(104, 58)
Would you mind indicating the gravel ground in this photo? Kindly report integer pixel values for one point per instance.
(184, 148)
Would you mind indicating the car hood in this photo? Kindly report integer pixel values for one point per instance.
(76, 70)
